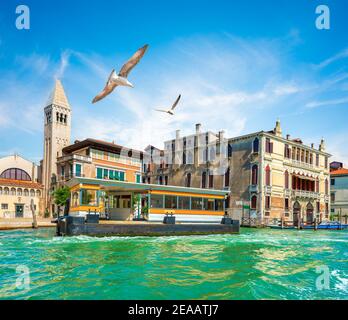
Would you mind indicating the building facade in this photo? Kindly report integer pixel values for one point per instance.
(339, 193)
(19, 186)
(269, 177)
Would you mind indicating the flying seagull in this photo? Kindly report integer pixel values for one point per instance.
(120, 79)
(171, 110)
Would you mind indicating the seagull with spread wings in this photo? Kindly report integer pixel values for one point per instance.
(171, 110)
(120, 79)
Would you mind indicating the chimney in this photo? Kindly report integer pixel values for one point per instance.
(198, 128)
(177, 134)
(76, 141)
(312, 145)
(322, 145)
(221, 135)
(288, 137)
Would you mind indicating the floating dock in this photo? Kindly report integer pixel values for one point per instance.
(74, 226)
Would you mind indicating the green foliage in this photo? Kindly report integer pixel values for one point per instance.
(46, 214)
(61, 195)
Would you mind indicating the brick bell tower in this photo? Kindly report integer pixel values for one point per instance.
(57, 129)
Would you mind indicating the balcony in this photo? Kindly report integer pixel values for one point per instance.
(300, 164)
(305, 194)
(70, 176)
(254, 188)
(76, 157)
(268, 189)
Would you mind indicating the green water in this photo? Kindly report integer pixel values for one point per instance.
(257, 264)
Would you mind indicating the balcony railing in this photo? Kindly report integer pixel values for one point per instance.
(71, 176)
(306, 194)
(76, 157)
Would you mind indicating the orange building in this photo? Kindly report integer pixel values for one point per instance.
(98, 159)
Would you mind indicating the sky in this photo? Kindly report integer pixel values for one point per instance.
(239, 66)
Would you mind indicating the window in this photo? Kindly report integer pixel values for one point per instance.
(32, 193)
(6, 191)
(287, 151)
(89, 197)
(157, 201)
(184, 203)
(4, 206)
(204, 180)
(138, 178)
(188, 180)
(268, 202)
(13, 192)
(15, 174)
(253, 202)
(229, 150)
(26, 193)
(268, 176)
(166, 180)
(160, 180)
(326, 163)
(332, 182)
(38, 193)
(196, 203)
(326, 187)
(219, 205)
(211, 181)
(0, 191)
(332, 197)
(170, 202)
(317, 160)
(286, 179)
(78, 170)
(286, 204)
(254, 174)
(256, 145)
(227, 177)
(317, 185)
(208, 204)
(311, 158)
(318, 206)
(269, 146)
(99, 173)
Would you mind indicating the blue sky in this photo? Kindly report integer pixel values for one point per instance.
(239, 66)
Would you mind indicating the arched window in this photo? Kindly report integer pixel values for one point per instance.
(204, 180)
(0, 191)
(38, 193)
(6, 191)
(326, 186)
(268, 175)
(15, 174)
(256, 145)
(32, 193)
(26, 193)
(19, 192)
(13, 191)
(188, 180)
(227, 177)
(253, 202)
(286, 179)
(317, 185)
(254, 174)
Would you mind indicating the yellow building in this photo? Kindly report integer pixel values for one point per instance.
(18, 187)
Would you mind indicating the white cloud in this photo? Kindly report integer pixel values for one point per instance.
(315, 104)
(340, 55)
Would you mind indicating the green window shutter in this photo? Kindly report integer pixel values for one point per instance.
(77, 170)
(117, 175)
(106, 173)
(99, 173)
(138, 178)
(111, 174)
(122, 176)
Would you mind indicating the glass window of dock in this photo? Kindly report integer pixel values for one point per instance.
(184, 203)
(196, 203)
(208, 204)
(219, 204)
(170, 202)
(157, 201)
(88, 197)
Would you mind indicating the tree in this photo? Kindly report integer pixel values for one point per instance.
(60, 196)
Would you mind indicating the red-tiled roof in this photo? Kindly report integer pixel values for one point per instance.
(20, 183)
(339, 172)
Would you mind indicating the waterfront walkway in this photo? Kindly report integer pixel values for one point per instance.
(20, 223)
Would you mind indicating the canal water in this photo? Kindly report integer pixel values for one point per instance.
(257, 264)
